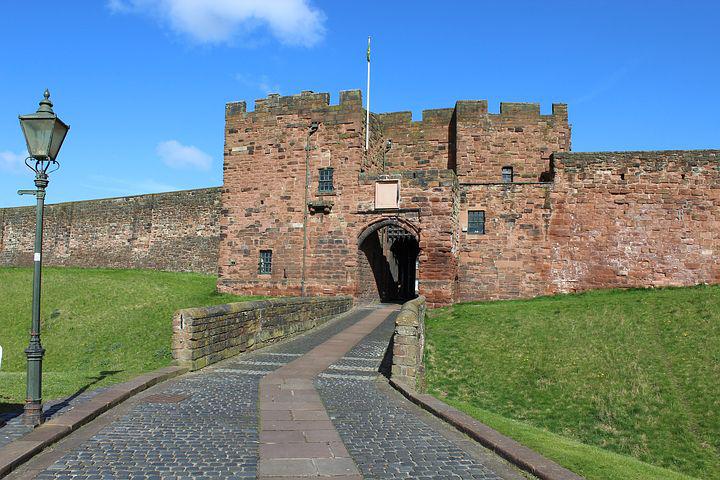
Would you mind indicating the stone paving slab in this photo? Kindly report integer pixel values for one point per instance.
(291, 408)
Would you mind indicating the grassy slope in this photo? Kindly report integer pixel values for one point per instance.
(94, 321)
(634, 372)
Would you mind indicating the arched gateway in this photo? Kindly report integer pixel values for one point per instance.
(387, 261)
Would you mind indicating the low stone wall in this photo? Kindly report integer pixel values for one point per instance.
(409, 344)
(202, 336)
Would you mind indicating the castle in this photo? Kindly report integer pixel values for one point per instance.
(462, 205)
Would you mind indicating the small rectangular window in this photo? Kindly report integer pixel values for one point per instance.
(476, 221)
(507, 174)
(326, 181)
(265, 261)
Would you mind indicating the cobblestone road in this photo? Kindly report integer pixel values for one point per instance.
(206, 424)
(387, 436)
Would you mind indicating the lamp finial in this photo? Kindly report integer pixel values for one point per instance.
(45, 103)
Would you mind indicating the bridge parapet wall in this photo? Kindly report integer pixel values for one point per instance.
(206, 335)
(409, 344)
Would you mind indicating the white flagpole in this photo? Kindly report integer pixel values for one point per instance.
(367, 119)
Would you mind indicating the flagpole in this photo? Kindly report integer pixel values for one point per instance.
(367, 119)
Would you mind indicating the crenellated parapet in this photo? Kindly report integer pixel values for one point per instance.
(475, 111)
(519, 139)
(477, 143)
(305, 102)
(467, 138)
(465, 111)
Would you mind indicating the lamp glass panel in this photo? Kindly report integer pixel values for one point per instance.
(58, 136)
(38, 134)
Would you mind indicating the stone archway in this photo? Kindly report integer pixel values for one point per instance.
(387, 261)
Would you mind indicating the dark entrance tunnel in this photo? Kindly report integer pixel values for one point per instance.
(388, 264)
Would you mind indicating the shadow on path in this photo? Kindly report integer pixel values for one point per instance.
(8, 411)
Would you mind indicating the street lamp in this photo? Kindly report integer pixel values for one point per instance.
(44, 134)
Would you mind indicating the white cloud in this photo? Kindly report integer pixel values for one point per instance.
(12, 162)
(176, 155)
(262, 83)
(293, 22)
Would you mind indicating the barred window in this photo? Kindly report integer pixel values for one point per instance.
(265, 261)
(326, 180)
(476, 221)
(507, 174)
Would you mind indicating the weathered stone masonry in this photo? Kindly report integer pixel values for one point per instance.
(564, 222)
(554, 221)
(630, 219)
(176, 231)
(408, 347)
(206, 335)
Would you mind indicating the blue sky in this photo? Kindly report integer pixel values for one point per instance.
(143, 83)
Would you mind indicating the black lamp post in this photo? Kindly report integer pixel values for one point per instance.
(44, 134)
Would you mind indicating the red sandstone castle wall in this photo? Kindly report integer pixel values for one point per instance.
(615, 219)
(427, 144)
(635, 219)
(607, 220)
(176, 231)
(512, 258)
(518, 137)
(263, 201)
(264, 192)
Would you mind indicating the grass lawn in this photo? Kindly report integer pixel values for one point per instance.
(600, 382)
(99, 326)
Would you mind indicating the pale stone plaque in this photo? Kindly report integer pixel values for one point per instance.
(387, 194)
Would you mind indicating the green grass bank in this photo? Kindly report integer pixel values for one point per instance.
(611, 384)
(98, 326)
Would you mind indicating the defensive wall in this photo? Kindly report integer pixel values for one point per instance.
(609, 219)
(176, 231)
(563, 221)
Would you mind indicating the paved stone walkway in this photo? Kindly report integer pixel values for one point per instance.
(14, 427)
(386, 435)
(310, 407)
(297, 436)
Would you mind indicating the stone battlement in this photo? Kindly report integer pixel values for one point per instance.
(464, 110)
(303, 102)
(472, 110)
